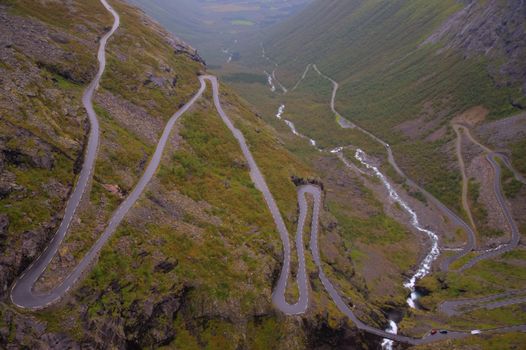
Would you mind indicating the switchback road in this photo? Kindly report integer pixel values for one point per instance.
(23, 296)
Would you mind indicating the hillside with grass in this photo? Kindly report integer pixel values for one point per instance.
(408, 72)
(194, 263)
(405, 69)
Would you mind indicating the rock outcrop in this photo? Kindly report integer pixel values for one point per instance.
(491, 28)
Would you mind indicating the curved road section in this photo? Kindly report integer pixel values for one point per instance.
(454, 218)
(278, 296)
(456, 307)
(497, 189)
(465, 181)
(445, 265)
(21, 294)
(515, 234)
(301, 305)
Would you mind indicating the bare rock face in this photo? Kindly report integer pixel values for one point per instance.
(493, 28)
(144, 324)
(28, 332)
(4, 224)
(38, 41)
(40, 156)
(190, 52)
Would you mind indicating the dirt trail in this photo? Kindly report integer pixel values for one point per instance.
(465, 181)
(503, 157)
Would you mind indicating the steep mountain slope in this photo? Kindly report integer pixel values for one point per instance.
(46, 61)
(195, 260)
(411, 73)
(353, 34)
(406, 68)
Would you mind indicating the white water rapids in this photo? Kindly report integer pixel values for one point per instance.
(432, 255)
(425, 266)
(281, 110)
(292, 127)
(387, 344)
(270, 81)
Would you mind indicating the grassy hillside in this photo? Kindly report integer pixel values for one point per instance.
(398, 77)
(194, 263)
(405, 69)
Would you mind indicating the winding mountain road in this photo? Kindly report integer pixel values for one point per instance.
(278, 296)
(474, 303)
(303, 76)
(497, 189)
(452, 217)
(22, 293)
(456, 307)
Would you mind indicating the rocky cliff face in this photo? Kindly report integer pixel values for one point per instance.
(496, 29)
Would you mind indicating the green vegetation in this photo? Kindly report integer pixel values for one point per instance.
(53, 13)
(80, 62)
(426, 166)
(462, 261)
(121, 161)
(488, 319)
(41, 124)
(418, 195)
(495, 342)
(381, 249)
(23, 214)
(488, 277)
(4, 65)
(375, 229)
(387, 78)
(510, 185)
(479, 211)
(247, 78)
(244, 233)
(201, 237)
(264, 334)
(485, 278)
(122, 151)
(220, 249)
(146, 58)
(519, 156)
(123, 154)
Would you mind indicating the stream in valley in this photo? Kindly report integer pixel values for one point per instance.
(425, 265)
